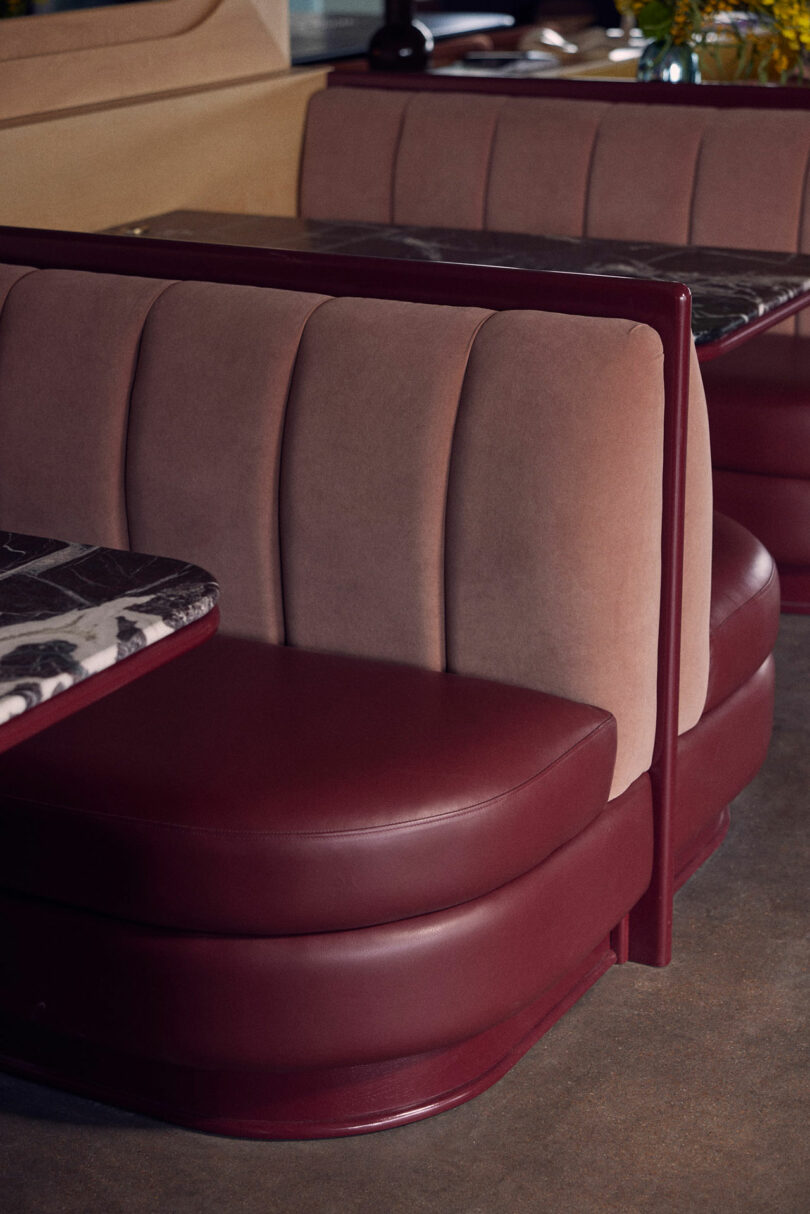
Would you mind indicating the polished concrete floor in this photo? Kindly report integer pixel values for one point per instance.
(678, 1090)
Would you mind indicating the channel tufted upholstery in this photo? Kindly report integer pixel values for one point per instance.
(681, 174)
(557, 166)
(339, 867)
(344, 467)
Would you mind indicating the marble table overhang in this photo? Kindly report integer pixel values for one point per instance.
(730, 288)
(71, 612)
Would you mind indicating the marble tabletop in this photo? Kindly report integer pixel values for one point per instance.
(730, 287)
(69, 611)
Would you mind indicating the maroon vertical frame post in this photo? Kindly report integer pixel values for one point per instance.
(650, 939)
(664, 306)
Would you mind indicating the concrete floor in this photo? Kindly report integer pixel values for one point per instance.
(679, 1090)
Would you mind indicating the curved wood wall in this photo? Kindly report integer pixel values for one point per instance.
(109, 114)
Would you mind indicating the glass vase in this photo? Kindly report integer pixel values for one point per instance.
(663, 60)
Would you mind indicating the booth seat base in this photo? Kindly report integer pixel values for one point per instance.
(701, 848)
(758, 397)
(795, 588)
(325, 1035)
(722, 753)
(777, 510)
(326, 1102)
(716, 760)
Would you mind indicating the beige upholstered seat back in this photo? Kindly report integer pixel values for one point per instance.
(672, 173)
(443, 486)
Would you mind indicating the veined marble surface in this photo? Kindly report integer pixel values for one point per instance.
(730, 287)
(68, 611)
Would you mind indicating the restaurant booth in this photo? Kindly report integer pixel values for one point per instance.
(466, 495)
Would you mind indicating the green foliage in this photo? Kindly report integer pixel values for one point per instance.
(655, 19)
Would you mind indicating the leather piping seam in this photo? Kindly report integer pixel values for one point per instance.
(718, 628)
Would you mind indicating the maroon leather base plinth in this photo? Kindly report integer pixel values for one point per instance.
(758, 398)
(776, 509)
(701, 847)
(724, 751)
(716, 760)
(744, 618)
(795, 589)
(304, 1036)
(326, 1102)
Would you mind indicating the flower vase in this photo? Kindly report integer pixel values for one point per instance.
(664, 60)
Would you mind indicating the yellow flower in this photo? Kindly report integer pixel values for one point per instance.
(771, 34)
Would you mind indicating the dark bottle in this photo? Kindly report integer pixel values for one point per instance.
(402, 44)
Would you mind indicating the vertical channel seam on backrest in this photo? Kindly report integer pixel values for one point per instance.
(449, 108)
(301, 150)
(488, 169)
(26, 271)
(280, 477)
(395, 156)
(128, 415)
(522, 607)
(301, 154)
(80, 399)
(365, 469)
(586, 202)
(803, 232)
(450, 452)
(205, 429)
(805, 206)
(695, 177)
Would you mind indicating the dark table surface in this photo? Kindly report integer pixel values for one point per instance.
(71, 611)
(730, 287)
(321, 37)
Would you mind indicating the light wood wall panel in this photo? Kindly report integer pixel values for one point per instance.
(62, 60)
(79, 29)
(230, 148)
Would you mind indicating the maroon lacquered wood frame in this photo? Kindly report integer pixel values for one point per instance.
(745, 96)
(96, 686)
(666, 307)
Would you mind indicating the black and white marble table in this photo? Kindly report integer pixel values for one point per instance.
(72, 616)
(730, 288)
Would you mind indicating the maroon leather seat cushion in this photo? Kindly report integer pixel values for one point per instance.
(248, 788)
(744, 617)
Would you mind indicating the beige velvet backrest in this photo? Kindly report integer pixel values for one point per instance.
(450, 487)
(674, 173)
